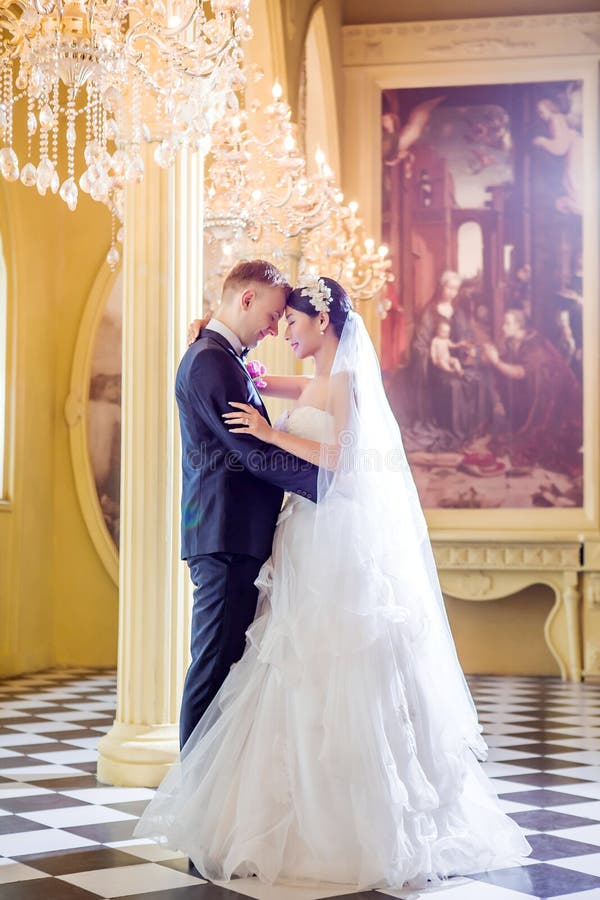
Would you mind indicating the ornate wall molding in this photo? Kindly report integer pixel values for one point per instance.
(591, 591)
(538, 556)
(591, 554)
(475, 585)
(484, 572)
(514, 36)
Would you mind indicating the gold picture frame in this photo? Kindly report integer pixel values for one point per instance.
(516, 50)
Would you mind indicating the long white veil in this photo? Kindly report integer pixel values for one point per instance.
(369, 522)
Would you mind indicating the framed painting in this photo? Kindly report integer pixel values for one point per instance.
(484, 181)
(103, 420)
(482, 347)
(93, 414)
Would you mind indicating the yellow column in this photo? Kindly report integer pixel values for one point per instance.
(162, 279)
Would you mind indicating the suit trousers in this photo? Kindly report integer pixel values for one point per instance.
(225, 599)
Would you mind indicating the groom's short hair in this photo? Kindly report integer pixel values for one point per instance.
(256, 270)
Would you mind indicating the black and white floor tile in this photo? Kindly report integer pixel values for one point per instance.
(65, 836)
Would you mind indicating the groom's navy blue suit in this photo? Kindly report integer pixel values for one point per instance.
(232, 491)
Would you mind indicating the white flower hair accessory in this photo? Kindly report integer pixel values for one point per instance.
(319, 295)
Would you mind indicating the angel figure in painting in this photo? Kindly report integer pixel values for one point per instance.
(566, 141)
(397, 140)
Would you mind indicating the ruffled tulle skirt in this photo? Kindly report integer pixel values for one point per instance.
(332, 751)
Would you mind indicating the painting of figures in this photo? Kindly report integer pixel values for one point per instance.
(482, 345)
(104, 411)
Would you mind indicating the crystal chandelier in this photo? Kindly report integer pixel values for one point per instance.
(256, 181)
(260, 197)
(98, 78)
(340, 249)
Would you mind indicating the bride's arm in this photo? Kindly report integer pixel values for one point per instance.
(319, 454)
(324, 455)
(251, 422)
(288, 386)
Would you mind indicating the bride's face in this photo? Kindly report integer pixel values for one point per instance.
(303, 332)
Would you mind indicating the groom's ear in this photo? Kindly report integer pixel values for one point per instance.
(247, 298)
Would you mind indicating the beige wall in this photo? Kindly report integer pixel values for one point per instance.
(57, 604)
(86, 599)
(26, 532)
(506, 636)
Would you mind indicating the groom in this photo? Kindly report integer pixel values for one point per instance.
(232, 485)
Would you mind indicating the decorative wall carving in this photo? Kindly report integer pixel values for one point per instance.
(475, 585)
(481, 47)
(506, 555)
(532, 36)
(480, 572)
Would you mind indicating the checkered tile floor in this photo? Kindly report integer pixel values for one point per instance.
(65, 836)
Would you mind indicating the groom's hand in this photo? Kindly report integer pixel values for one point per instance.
(194, 329)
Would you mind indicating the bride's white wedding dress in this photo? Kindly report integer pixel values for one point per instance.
(325, 756)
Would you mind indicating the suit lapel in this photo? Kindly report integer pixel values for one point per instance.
(224, 343)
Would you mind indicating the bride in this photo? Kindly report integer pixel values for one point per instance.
(344, 745)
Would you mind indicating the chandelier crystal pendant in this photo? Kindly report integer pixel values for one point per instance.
(97, 78)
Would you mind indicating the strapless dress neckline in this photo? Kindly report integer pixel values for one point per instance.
(294, 409)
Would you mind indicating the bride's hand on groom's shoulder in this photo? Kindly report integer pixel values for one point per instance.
(194, 329)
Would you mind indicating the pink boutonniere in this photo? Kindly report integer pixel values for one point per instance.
(256, 370)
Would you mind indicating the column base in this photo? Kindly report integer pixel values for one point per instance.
(137, 755)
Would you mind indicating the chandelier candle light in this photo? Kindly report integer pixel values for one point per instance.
(129, 71)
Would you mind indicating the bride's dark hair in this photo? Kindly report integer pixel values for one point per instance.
(339, 306)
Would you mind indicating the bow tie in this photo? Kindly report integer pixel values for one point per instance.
(244, 353)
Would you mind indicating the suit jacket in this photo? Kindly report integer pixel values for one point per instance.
(232, 484)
